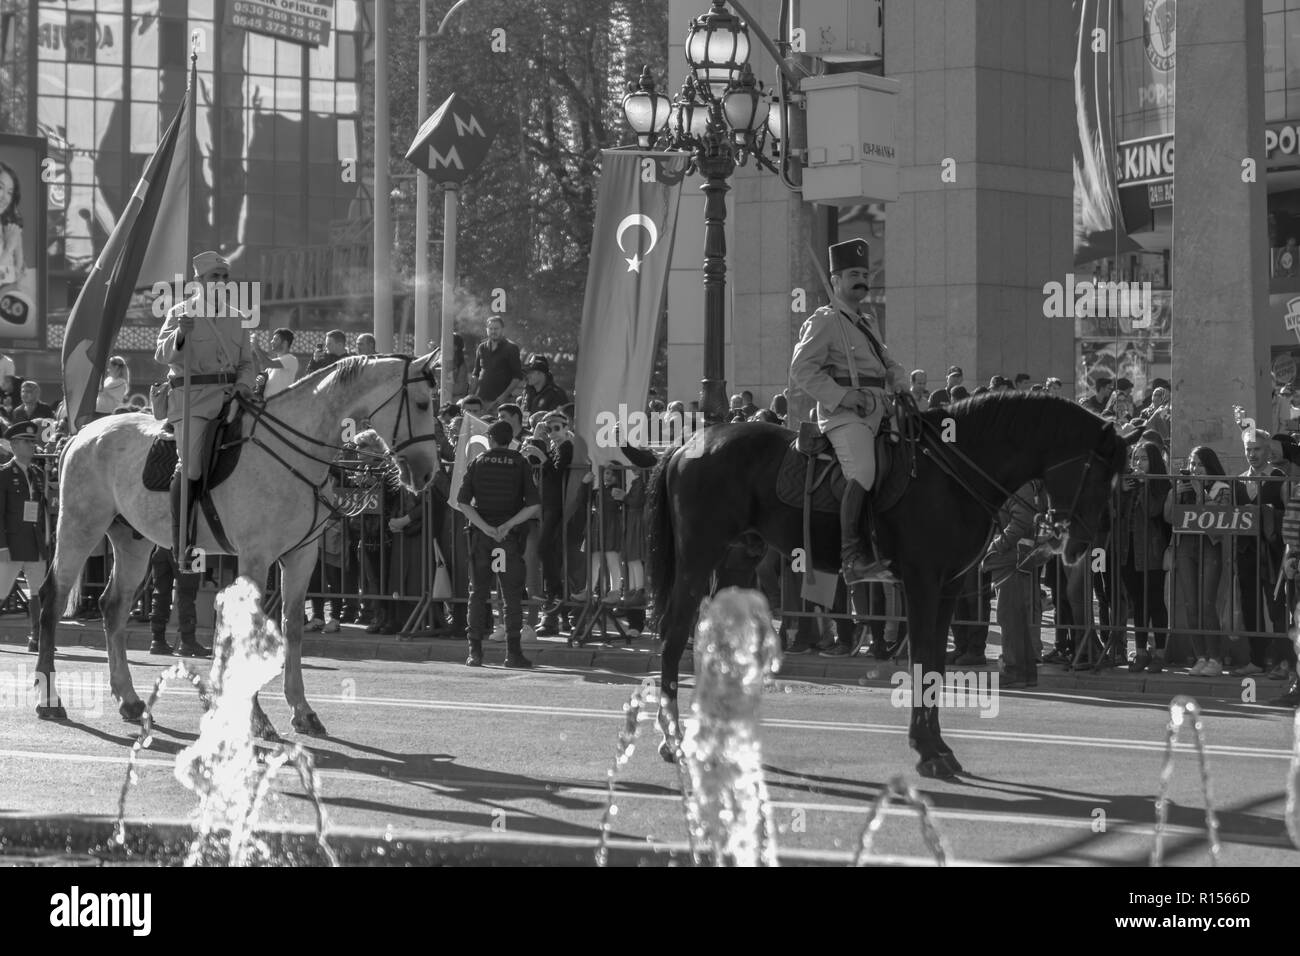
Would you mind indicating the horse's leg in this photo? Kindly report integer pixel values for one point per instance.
(130, 560)
(75, 538)
(675, 627)
(922, 623)
(296, 569)
(943, 617)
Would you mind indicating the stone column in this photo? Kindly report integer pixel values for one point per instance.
(1220, 235)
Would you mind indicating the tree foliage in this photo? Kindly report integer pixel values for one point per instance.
(555, 95)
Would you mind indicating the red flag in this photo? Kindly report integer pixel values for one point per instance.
(627, 281)
(136, 256)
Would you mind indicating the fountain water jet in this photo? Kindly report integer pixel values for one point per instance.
(1180, 708)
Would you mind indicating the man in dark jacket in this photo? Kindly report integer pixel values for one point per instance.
(542, 394)
(1011, 563)
(336, 347)
(24, 520)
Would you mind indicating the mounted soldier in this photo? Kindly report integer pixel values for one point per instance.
(207, 335)
(841, 361)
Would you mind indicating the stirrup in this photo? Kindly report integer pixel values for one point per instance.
(873, 571)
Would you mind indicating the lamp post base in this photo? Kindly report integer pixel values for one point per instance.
(713, 400)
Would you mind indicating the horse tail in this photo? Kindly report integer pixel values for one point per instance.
(661, 550)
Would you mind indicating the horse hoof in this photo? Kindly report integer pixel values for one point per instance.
(132, 711)
(309, 725)
(668, 753)
(935, 768)
(51, 713)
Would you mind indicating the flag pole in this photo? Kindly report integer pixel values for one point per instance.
(191, 94)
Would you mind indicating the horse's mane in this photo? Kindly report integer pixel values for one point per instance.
(347, 369)
(1027, 418)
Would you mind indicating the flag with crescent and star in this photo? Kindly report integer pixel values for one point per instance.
(627, 283)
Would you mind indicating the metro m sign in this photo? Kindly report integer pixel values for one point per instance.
(453, 142)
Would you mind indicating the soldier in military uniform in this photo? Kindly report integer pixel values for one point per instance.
(837, 341)
(220, 364)
(498, 498)
(24, 519)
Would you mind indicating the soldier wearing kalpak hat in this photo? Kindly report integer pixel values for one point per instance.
(842, 362)
(212, 331)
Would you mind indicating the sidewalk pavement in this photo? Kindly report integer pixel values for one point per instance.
(642, 656)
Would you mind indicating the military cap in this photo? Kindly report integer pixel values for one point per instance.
(205, 262)
(849, 255)
(29, 430)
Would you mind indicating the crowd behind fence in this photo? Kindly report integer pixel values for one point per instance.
(1197, 569)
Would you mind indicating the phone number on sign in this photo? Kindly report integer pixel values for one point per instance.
(255, 15)
(258, 25)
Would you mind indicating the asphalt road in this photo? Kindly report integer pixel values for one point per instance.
(436, 747)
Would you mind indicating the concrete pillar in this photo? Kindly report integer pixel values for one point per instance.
(986, 87)
(1220, 235)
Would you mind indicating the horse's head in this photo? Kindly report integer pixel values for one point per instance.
(1079, 486)
(410, 417)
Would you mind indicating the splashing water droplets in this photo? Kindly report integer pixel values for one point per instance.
(1181, 708)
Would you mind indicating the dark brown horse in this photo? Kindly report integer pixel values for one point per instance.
(722, 484)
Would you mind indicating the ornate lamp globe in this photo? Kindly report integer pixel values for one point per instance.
(716, 48)
(646, 110)
(745, 107)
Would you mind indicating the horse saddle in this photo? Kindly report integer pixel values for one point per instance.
(222, 444)
(810, 475)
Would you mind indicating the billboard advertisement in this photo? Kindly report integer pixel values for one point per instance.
(22, 242)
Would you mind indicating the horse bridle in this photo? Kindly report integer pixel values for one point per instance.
(1049, 526)
(260, 416)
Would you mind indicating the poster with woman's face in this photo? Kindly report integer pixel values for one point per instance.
(22, 242)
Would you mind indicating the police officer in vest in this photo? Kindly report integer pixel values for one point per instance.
(842, 362)
(213, 331)
(24, 520)
(498, 498)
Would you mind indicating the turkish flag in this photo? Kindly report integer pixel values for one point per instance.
(627, 282)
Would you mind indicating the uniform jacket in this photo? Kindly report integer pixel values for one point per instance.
(216, 344)
(820, 357)
(1015, 534)
(548, 398)
(26, 540)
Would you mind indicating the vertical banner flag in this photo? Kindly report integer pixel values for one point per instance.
(627, 281)
(471, 442)
(1098, 222)
(149, 244)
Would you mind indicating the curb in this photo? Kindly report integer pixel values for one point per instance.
(860, 671)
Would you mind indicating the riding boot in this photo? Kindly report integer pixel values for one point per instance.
(475, 658)
(181, 560)
(857, 550)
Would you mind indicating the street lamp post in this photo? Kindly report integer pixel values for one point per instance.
(721, 118)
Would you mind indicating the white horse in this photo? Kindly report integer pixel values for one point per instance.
(272, 506)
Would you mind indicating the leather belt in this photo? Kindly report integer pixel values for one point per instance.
(215, 378)
(864, 381)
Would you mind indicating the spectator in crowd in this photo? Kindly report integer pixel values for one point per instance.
(114, 387)
(1053, 386)
(335, 348)
(1158, 417)
(765, 415)
(970, 637)
(406, 560)
(999, 383)
(920, 388)
(780, 406)
(954, 379)
(498, 371)
(448, 414)
(737, 403)
(1198, 558)
(1023, 381)
(747, 403)
(939, 398)
(634, 538)
(1120, 407)
(1141, 536)
(958, 392)
(280, 365)
(1102, 387)
(1010, 563)
(674, 426)
(373, 552)
(24, 521)
(1258, 567)
(31, 407)
(365, 344)
(512, 415)
(554, 473)
(541, 393)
